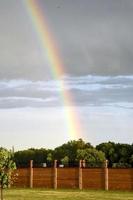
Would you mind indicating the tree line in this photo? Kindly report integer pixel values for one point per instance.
(69, 154)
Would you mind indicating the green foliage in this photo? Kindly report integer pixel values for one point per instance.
(70, 149)
(65, 161)
(93, 157)
(131, 160)
(7, 166)
(121, 165)
(117, 154)
(22, 158)
(49, 157)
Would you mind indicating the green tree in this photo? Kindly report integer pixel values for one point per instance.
(93, 157)
(39, 156)
(118, 155)
(69, 149)
(22, 158)
(7, 165)
(131, 160)
(49, 157)
(109, 148)
(65, 161)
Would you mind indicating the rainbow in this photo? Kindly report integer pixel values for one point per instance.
(56, 67)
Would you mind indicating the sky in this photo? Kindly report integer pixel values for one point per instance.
(94, 40)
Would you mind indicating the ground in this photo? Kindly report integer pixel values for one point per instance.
(41, 194)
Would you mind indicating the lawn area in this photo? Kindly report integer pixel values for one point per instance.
(43, 194)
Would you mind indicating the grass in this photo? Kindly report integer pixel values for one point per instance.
(43, 194)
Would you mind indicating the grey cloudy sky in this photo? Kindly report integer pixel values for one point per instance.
(95, 40)
(92, 36)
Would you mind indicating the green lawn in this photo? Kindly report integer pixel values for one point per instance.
(43, 194)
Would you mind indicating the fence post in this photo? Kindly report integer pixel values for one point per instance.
(106, 174)
(31, 173)
(55, 174)
(83, 164)
(80, 175)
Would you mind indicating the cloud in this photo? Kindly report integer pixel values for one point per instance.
(86, 90)
(95, 42)
(95, 38)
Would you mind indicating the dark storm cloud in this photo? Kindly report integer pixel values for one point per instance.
(98, 36)
(93, 37)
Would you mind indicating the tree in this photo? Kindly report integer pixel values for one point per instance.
(109, 148)
(49, 157)
(69, 149)
(65, 161)
(22, 158)
(93, 157)
(118, 155)
(7, 165)
(39, 156)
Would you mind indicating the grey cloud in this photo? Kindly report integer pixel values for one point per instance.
(86, 91)
(93, 37)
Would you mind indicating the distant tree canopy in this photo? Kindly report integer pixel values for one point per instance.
(118, 155)
(92, 156)
(39, 156)
(70, 150)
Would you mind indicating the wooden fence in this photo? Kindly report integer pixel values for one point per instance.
(76, 177)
